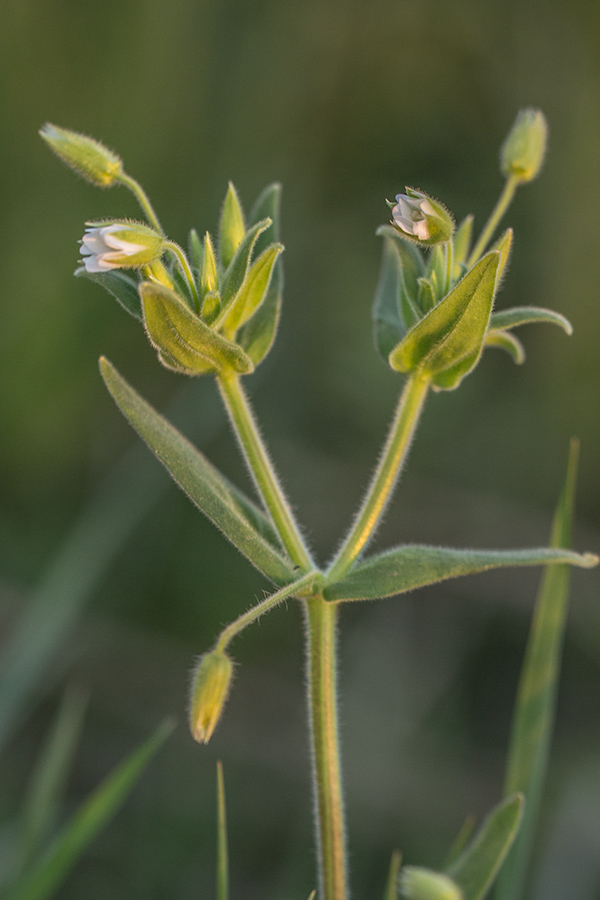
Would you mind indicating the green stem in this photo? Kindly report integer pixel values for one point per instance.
(329, 811)
(185, 268)
(449, 265)
(504, 201)
(261, 468)
(393, 456)
(142, 198)
(247, 618)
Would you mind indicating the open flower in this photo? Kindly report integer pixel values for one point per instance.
(421, 218)
(119, 245)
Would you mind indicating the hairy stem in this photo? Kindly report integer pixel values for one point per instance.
(329, 810)
(504, 201)
(142, 198)
(262, 470)
(393, 456)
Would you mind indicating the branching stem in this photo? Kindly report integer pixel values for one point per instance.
(504, 201)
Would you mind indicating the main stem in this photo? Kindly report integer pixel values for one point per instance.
(329, 810)
(262, 470)
(393, 455)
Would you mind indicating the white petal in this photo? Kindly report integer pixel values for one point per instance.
(405, 224)
(427, 208)
(421, 230)
(93, 243)
(96, 264)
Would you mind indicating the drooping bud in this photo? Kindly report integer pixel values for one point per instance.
(423, 884)
(210, 687)
(89, 158)
(522, 153)
(421, 218)
(120, 245)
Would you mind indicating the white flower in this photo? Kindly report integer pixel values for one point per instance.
(421, 218)
(117, 245)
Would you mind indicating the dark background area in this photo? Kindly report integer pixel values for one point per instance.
(344, 102)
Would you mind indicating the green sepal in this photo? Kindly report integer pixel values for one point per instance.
(462, 245)
(388, 324)
(181, 286)
(427, 294)
(267, 206)
(229, 509)
(252, 293)
(180, 334)
(504, 340)
(476, 868)
(503, 245)
(208, 275)
(123, 287)
(211, 306)
(436, 270)
(231, 226)
(195, 251)
(257, 335)
(414, 565)
(524, 315)
(235, 275)
(446, 344)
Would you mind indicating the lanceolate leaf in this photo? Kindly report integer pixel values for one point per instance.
(475, 869)
(245, 526)
(447, 342)
(43, 878)
(252, 293)
(508, 342)
(231, 226)
(523, 315)
(267, 206)
(183, 337)
(411, 262)
(238, 267)
(257, 335)
(413, 566)
(121, 286)
(388, 324)
(503, 246)
(533, 718)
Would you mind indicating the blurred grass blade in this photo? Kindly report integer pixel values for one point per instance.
(42, 879)
(223, 504)
(533, 717)
(475, 869)
(222, 855)
(47, 783)
(415, 565)
(391, 888)
(460, 842)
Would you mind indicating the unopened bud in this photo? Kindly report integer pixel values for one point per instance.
(120, 245)
(89, 158)
(210, 687)
(522, 153)
(423, 884)
(421, 218)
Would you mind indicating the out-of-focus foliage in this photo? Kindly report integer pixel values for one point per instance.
(345, 104)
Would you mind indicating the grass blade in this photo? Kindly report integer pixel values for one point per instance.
(42, 879)
(533, 718)
(391, 888)
(222, 854)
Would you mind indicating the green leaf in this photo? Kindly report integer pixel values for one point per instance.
(462, 244)
(447, 342)
(427, 294)
(534, 713)
(504, 340)
(267, 206)
(42, 879)
(412, 266)
(195, 251)
(235, 274)
(388, 324)
(257, 335)
(222, 855)
(475, 869)
(121, 286)
(413, 566)
(523, 315)
(47, 783)
(231, 226)
(236, 516)
(460, 842)
(436, 270)
(185, 340)
(252, 293)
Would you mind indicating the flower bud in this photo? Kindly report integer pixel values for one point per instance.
(210, 687)
(89, 158)
(423, 884)
(522, 153)
(421, 218)
(119, 245)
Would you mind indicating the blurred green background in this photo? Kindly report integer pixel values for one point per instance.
(344, 102)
